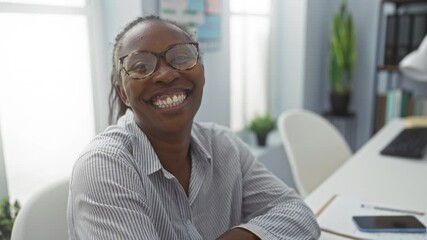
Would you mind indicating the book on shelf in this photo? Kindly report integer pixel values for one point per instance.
(380, 111)
(390, 112)
(411, 105)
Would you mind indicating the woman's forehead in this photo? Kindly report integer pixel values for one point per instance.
(153, 36)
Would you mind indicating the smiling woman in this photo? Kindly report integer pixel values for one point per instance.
(157, 174)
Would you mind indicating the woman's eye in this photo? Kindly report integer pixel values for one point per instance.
(181, 59)
(140, 67)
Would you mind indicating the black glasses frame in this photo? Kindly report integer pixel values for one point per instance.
(158, 56)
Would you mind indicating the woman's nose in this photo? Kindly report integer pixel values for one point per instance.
(164, 73)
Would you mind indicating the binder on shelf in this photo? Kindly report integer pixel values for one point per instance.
(419, 107)
(398, 29)
(424, 107)
(380, 111)
(404, 103)
(389, 113)
(419, 30)
(397, 102)
(403, 37)
(411, 103)
(390, 42)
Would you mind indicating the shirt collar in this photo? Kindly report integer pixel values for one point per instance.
(198, 148)
(142, 149)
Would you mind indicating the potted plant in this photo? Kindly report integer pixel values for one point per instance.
(342, 58)
(8, 213)
(261, 125)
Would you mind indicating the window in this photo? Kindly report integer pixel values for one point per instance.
(46, 103)
(249, 39)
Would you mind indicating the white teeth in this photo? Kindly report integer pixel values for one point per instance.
(170, 101)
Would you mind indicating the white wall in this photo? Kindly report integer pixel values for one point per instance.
(288, 65)
(216, 96)
(366, 18)
(3, 182)
(110, 18)
(316, 44)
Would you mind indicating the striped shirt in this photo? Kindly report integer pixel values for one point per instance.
(119, 190)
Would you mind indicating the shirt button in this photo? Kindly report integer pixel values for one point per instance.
(188, 222)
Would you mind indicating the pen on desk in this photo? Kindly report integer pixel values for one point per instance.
(391, 209)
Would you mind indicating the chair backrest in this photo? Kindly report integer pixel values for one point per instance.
(315, 148)
(44, 215)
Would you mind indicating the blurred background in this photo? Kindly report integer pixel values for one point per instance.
(260, 57)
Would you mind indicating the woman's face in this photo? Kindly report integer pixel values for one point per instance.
(167, 101)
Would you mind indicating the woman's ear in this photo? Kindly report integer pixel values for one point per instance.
(122, 94)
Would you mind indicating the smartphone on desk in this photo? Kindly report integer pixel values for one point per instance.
(395, 223)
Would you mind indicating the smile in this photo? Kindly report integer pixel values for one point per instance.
(168, 101)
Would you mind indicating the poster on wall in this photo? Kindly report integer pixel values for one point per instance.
(200, 16)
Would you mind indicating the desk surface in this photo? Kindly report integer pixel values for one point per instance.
(372, 177)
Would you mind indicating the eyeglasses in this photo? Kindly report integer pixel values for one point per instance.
(141, 64)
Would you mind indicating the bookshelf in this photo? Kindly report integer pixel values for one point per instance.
(402, 27)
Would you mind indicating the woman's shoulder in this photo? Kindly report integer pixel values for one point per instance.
(210, 129)
(213, 134)
(115, 139)
(226, 149)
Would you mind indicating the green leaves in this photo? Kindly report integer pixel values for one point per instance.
(342, 51)
(8, 213)
(262, 123)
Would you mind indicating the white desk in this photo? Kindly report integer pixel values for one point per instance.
(372, 177)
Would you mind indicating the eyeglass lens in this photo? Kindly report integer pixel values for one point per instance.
(180, 57)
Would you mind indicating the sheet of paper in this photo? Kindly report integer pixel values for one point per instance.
(337, 217)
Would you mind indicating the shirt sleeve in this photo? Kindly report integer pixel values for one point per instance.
(105, 200)
(271, 209)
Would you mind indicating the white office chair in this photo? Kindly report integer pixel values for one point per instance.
(314, 147)
(44, 215)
